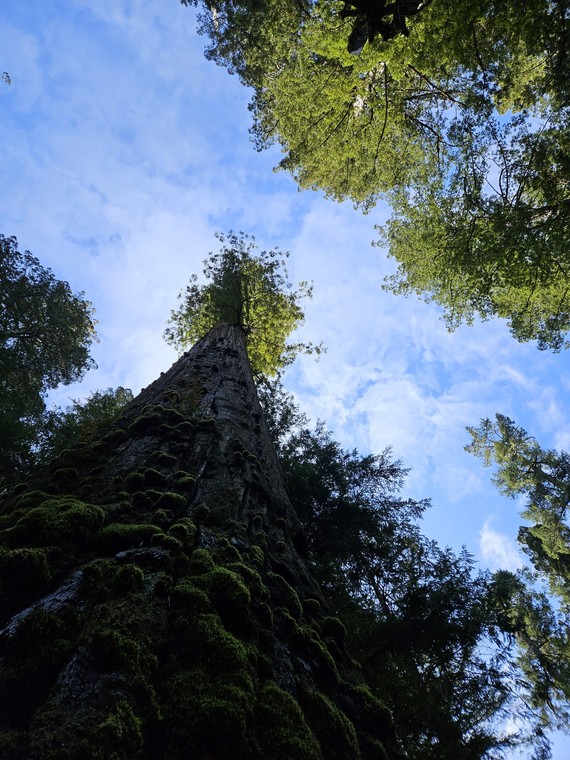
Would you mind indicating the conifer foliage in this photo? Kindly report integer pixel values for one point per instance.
(454, 652)
(249, 289)
(539, 617)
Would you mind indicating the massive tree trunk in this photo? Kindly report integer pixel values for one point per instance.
(155, 596)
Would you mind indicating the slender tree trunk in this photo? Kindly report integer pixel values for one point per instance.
(155, 596)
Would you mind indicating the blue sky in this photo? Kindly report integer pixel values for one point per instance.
(124, 150)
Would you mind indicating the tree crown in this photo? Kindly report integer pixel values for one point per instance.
(45, 329)
(248, 288)
(45, 335)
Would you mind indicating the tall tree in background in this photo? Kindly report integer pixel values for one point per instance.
(458, 117)
(434, 636)
(542, 476)
(45, 335)
(250, 290)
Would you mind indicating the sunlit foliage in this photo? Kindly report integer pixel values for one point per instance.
(458, 116)
(248, 288)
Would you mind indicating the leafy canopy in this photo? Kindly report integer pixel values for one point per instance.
(81, 420)
(249, 288)
(488, 235)
(458, 116)
(45, 335)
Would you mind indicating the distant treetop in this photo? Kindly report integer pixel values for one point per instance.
(248, 288)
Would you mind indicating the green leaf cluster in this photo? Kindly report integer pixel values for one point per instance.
(540, 620)
(45, 335)
(488, 236)
(543, 477)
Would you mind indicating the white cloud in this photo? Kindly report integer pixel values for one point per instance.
(497, 549)
(562, 439)
(548, 407)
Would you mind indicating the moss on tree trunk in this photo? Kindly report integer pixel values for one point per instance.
(154, 592)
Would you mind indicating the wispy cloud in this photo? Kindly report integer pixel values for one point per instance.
(497, 549)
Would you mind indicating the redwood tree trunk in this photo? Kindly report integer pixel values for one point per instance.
(231, 452)
(155, 596)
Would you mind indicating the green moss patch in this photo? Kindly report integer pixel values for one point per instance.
(115, 437)
(185, 531)
(209, 718)
(332, 728)
(226, 552)
(201, 562)
(65, 475)
(31, 499)
(252, 580)
(106, 579)
(186, 597)
(165, 541)
(59, 521)
(134, 481)
(308, 645)
(200, 512)
(256, 556)
(184, 429)
(145, 423)
(119, 536)
(374, 719)
(162, 518)
(119, 735)
(153, 477)
(284, 595)
(228, 593)
(182, 475)
(115, 649)
(311, 607)
(171, 500)
(164, 459)
(333, 628)
(283, 733)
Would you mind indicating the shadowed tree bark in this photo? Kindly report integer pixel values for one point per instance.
(155, 598)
